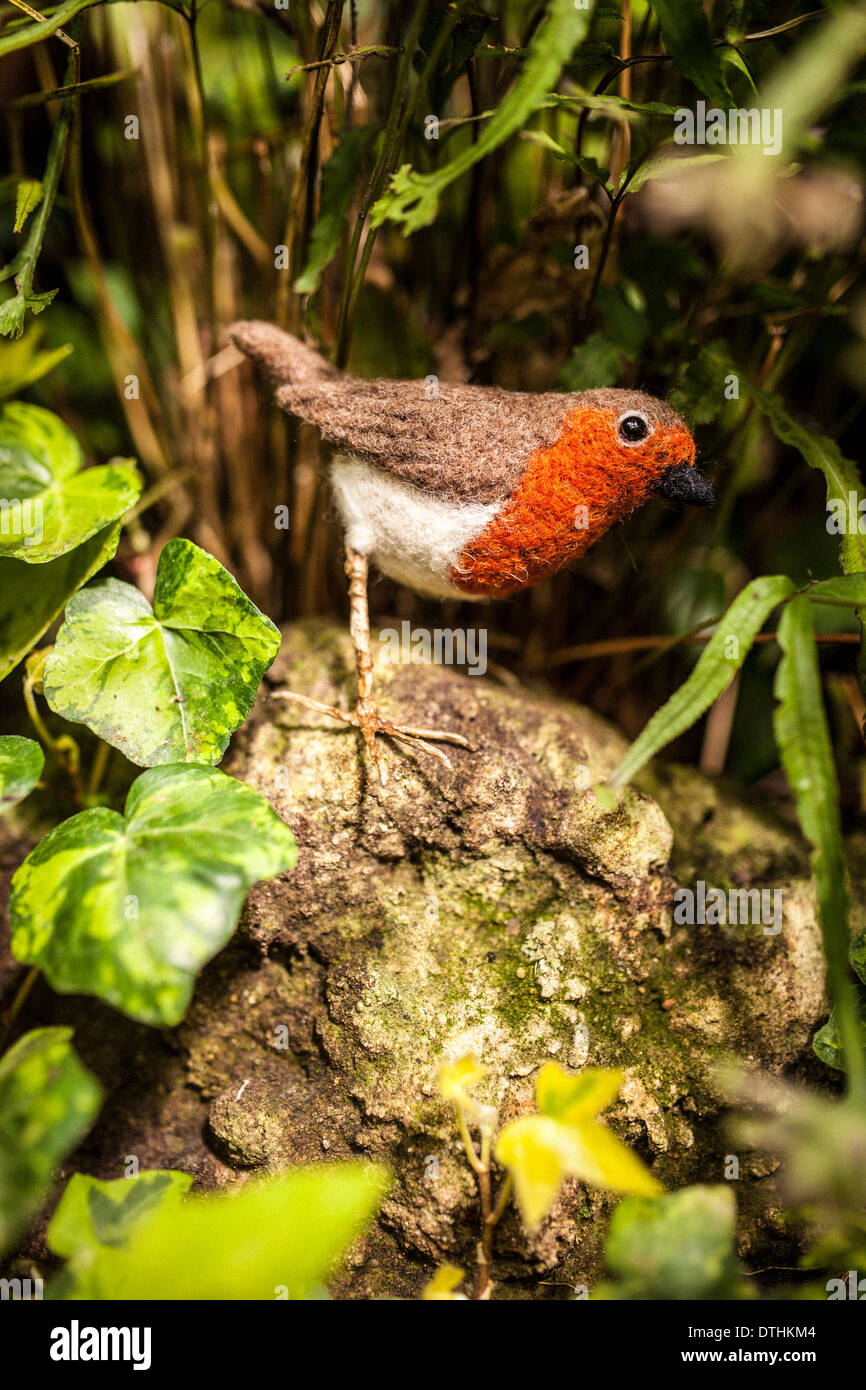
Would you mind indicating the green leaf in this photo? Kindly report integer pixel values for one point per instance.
(721, 659)
(845, 590)
(13, 39)
(803, 740)
(733, 57)
(21, 763)
(822, 453)
(466, 40)
(687, 39)
(827, 1042)
(50, 506)
(664, 162)
(697, 396)
(413, 199)
(596, 362)
(169, 683)
(13, 311)
(21, 364)
(48, 1101)
(616, 108)
(584, 163)
(26, 610)
(273, 1239)
(840, 475)
(130, 908)
(27, 199)
(339, 182)
(677, 1246)
(95, 1221)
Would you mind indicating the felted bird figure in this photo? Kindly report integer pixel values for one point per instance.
(469, 492)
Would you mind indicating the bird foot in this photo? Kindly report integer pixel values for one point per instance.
(367, 719)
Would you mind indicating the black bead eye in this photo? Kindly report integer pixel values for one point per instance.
(632, 428)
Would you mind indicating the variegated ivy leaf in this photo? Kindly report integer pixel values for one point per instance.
(164, 684)
(676, 1246)
(95, 1222)
(48, 1101)
(279, 1238)
(27, 609)
(566, 1140)
(49, 503)
(21, 763)
(130, 908)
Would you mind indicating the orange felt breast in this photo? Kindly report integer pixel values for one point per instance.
(570, 494)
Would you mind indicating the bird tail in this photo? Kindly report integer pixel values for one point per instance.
(285, 358)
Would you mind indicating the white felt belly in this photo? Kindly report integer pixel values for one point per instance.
(409, 535)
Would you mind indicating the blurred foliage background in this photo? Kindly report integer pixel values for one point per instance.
(264, 134)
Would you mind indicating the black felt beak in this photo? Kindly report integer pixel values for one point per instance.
(684, 484)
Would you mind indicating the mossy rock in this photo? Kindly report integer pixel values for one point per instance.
(495, 907)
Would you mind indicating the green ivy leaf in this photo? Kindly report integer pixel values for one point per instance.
(169, 683)
(413, 199)
(712, 675)
(26, 610)
(21, 764)
(95, 1221)
(274, 1239)
(677, 1246)
(28, 196)
(48, 1101)
(686, 35)
(49, 504)
(129, 908)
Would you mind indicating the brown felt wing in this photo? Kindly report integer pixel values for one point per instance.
(470, 443)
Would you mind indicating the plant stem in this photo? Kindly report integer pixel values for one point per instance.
(491, 1214)
(408, 112)
(616, 203)
(18, 1003)
(467, 1141)
(97, 767)
(27, 258)
(59, 750)
(387, 152)
(296, 224)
